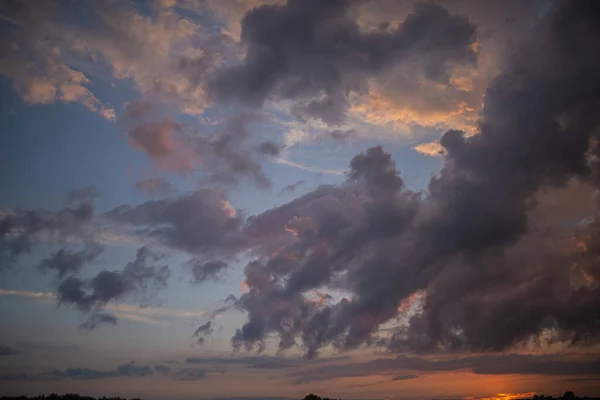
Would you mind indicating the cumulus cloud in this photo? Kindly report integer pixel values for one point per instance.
(478, 244)
(201, 222)
(439, 269)
(315, 54)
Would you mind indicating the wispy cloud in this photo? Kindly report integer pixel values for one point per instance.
(143, 314)
(284, 161)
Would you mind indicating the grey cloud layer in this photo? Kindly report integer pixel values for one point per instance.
(125, 370)
(483, 364)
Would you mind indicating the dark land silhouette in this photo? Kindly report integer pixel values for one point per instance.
(73, 396)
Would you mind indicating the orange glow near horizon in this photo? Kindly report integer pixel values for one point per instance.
(511, 396)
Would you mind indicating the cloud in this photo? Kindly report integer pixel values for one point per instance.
(203, 331)
(258, 362)
(97, 319)
(404, 377)
(35, 66)
(162, 369)
(314, 54)
(498, 364)
(432, 149)
(67, 262)
(131, 370)
(202, 222)
(21, 230)
(269, 148)
(158, 139)
(130, 312)
(224, 154)
(8, 351)
(190, 374)
(291, 188)
(35, 295)
(478, 244)
(91, 295)
(203, 271)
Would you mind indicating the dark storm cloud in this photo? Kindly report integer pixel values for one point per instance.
(21, 230)
(67, 262)
(8, 351)
(313, 52)
(141, 276)
(497, 269)
(485, 365)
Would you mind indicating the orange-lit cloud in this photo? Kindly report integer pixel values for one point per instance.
(432, 149)
(161, 141)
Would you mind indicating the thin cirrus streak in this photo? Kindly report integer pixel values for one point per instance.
(145, 314)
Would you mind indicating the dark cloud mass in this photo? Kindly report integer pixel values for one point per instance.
(67, 262)
(313, 53)
(495, 271)
(141, 276)
(200, 222)
(21, 230)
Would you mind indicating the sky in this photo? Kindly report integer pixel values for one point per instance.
(260, 199)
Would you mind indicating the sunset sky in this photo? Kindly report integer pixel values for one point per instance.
(362, 199)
